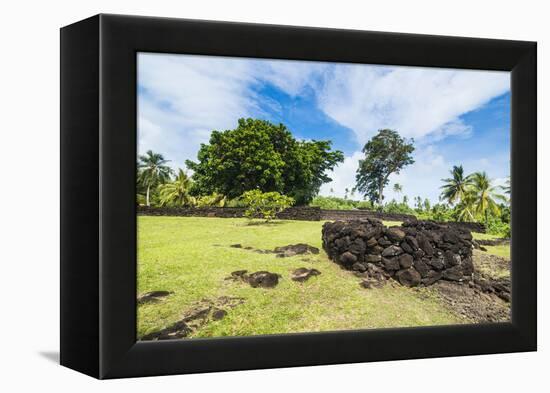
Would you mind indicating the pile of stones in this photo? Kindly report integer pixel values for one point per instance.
(415, 253)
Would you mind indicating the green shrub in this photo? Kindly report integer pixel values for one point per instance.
(364, 205)
(497, 227)
(212, 200)
(264, 204)
(397, 207)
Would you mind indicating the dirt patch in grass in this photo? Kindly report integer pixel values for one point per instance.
(200, 314)
(472, 304)
(487, 297)
(491, 265)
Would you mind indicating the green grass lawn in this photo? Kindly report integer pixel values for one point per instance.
(502, 250)
(484, 236)
(191, 257)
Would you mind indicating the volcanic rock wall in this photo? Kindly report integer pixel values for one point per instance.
(418, 252)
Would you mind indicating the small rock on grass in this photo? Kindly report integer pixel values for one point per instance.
(295, 249)
(263, 279)
(303, 274)
(368, 284)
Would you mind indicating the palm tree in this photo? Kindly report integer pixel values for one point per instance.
(465, 208)
(455, 187)
(484, 195)
(176, 192)
(397, 188)
(507, 188)
(153, 171)
(213, 199)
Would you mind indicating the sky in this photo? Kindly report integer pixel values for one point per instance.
(456, 117)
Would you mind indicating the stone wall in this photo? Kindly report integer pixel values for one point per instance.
(293, 213)
(304, 213)
(415, 253)
(223, 212)
(468, 226)
(333, 215)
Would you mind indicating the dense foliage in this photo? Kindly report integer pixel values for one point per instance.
(176, 193)
(258, 154)
(263, 168)
(386, 153)
(264, 205)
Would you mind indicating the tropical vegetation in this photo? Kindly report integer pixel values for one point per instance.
(259, 154)
(265, 205)
(263, 168)
(385, 154)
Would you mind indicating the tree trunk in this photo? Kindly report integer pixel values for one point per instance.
(381, 192)
(147, 200)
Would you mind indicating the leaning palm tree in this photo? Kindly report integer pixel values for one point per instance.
(465, 209)
(176, 193)
(507, 188)
(456, 186)
(484, 195)
(397, 188)
(152, 172)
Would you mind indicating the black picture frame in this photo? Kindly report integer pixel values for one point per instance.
(98, 212)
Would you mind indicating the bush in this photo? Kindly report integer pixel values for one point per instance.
(397, 207)
(212, 200)
(264, 204)
(497, 227)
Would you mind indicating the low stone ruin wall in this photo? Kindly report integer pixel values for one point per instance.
(468, 226)
(416, 253)
(304, 213)
(223, 212)
(293, 213)
(342, 215)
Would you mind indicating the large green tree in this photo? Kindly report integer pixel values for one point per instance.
(260, 155)
(386, 153)
(152, 171)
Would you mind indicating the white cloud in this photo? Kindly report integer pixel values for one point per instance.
(186, 97)
(423, 178)
(343, 176)
(416, 102)
(290, 76)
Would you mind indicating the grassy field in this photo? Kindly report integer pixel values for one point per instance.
(502, 250)
(191, 257)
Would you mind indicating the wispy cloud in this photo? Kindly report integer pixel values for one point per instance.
(415, 101)
(183, 98)
(186, 97)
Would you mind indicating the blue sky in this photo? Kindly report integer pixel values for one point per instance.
(454, 116)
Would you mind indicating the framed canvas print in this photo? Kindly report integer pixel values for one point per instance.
(239, 196)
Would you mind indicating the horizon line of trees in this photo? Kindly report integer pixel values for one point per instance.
(258, 155)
